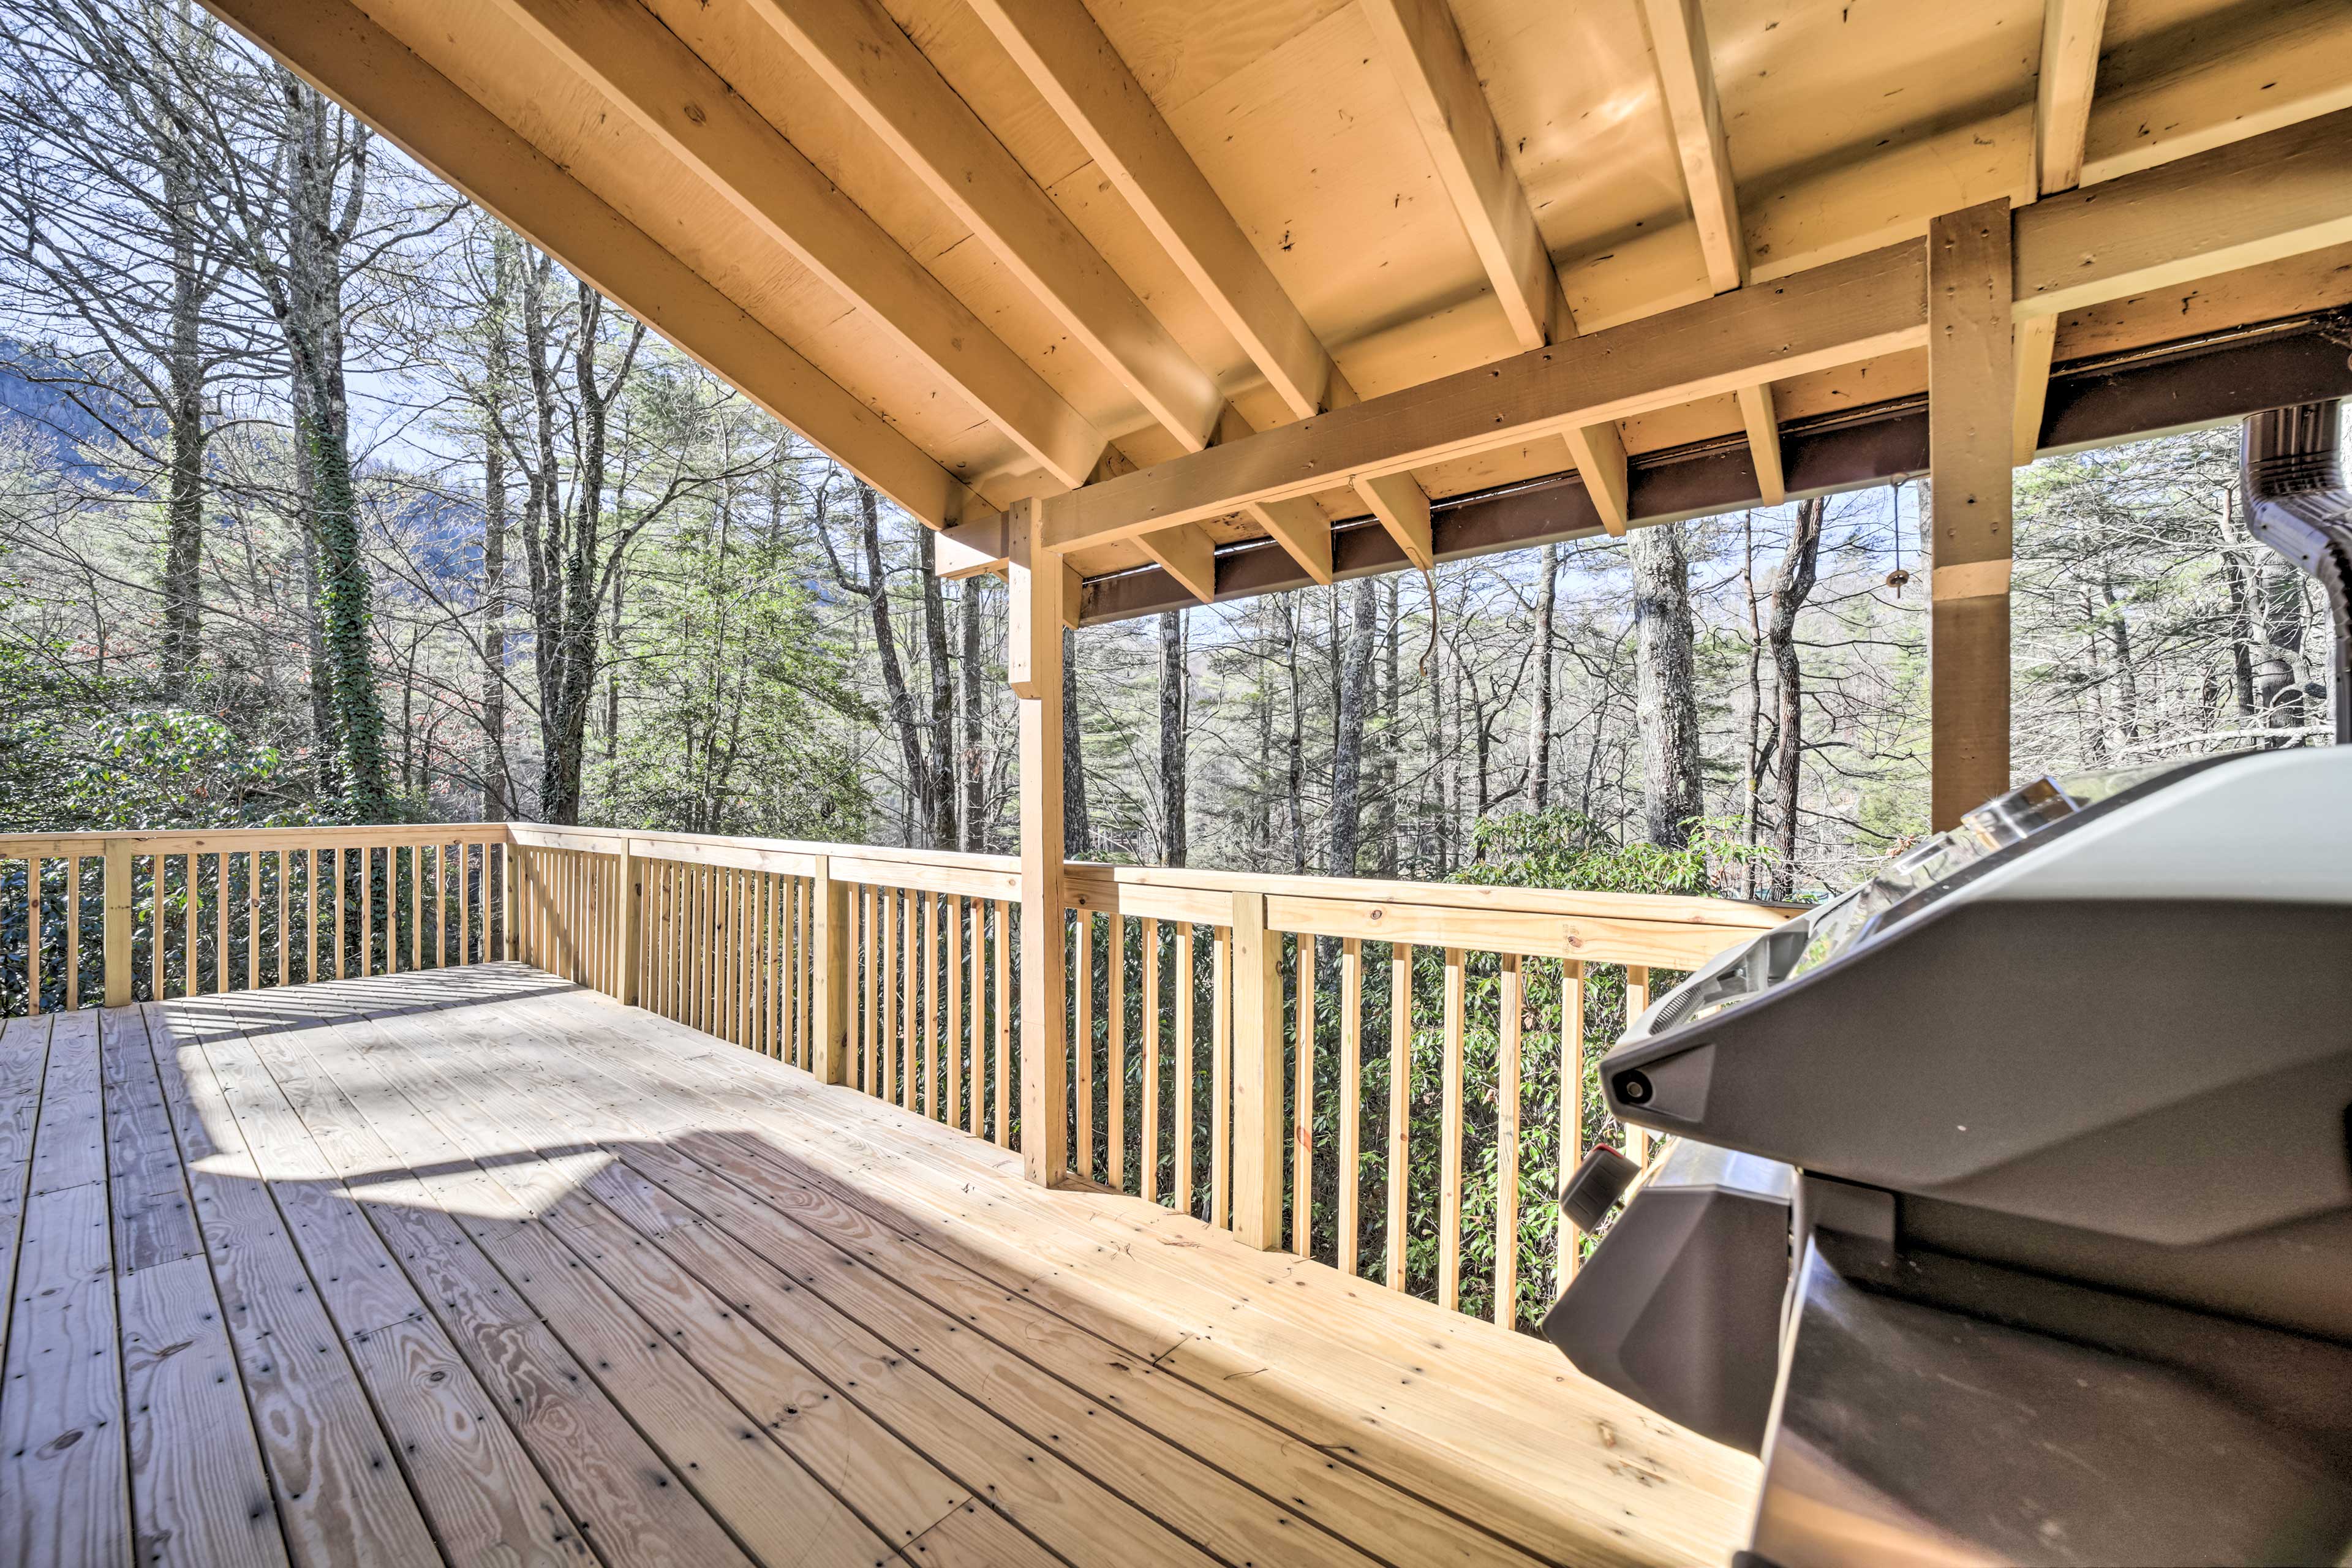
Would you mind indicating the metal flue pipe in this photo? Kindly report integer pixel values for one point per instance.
(2298, 503)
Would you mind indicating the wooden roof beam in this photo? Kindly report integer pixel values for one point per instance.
(1062, 51)
(343, 53)
(682, 105)
(1060, 47)
(2281, 194)
(1432, 68)
(878, 70)
(2071, 35)
(1848, 310)
(1686, 85)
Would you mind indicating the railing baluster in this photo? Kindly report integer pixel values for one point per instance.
(1637, 1001)
(1400, 1100)
(1571, 1103)
(1449, 1170)
(1184, 1082)
(1508, 1002)
(190, 896)
(1221, 1077)
(1352, 1101)
(1115, 1055)
(1302, 1106)
(1003, 1024)
(1082, 1041)
(32, 935)
(1148, 1144)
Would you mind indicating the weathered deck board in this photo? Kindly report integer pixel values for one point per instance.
(472, 1265)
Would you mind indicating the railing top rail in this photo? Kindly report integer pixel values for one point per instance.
(1326, 905)
(239, 841)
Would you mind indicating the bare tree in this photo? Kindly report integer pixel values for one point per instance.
(1175, 679)
(1665, 681)
(1792, 585)
(1347, 755)
(1539, 719)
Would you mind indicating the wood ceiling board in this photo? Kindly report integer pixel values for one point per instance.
(1834, 213)
(1843, 388)
(1112, 227)
(1468, 331)
(2178, 79)
(1576, 98)
(1179, 49)
(1492, 468)
(1314, 154)
(968, 56)
(516, 77)
(1641, 274)
(1807, 85)
(669, 96)
(748, 56)
(2316, 280)
(903, 99)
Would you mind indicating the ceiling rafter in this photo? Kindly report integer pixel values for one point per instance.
(346, 54)
(1066, 57)
(2072, 31)
(2281, 194)
(1432, 66)
(684, 107)
(878, 71)
(1686, 85)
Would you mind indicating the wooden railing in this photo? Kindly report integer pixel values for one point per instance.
(1387, 1076)
(114, 918)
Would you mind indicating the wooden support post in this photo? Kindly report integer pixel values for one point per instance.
(115, 939)
(1034, 666)
(1971, 439)
(1257, 1074)
(632, 922)
(829, 920)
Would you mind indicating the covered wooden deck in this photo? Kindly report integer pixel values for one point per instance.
(478, 1266)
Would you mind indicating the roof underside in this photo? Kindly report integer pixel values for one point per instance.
(1036, 241)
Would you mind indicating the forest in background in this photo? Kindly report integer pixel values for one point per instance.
(324, 498)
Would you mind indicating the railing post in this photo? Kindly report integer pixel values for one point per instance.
(1257, 1074)
(632, 916)
(115, 943)
(829, 1008)
(1040, 598)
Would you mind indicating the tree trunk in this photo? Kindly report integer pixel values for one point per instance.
(1392, 737)
(1294, 751)
(1173, 761)
(1791, 585)
(2127, 677)
(1077, 829)
(313, 324)
(894, 677)
(1665, 674)
(498, 786)
(942, 786)
(1752, 764)
(1347, 755)
(975, 799)
(183, 512)
(1540, 721)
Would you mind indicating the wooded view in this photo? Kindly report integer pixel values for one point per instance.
(324, 497)
(327, 498)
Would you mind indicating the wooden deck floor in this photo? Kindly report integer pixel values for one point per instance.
(483, 1268)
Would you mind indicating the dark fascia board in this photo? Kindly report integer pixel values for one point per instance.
(2099, 403)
